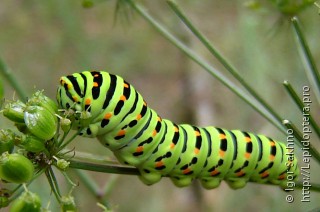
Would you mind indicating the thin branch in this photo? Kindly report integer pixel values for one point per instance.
(8, 75)
(310, 65)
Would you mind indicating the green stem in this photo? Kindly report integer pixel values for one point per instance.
(88, 157)
(301, 105)
(108, 187)
(68, 141)
(53, 183)
(103, 168)
(196, 58)
(134, 171)
(8, 75)
(313, 187)
(311, 68)
(276, 118)
(87, 181)
(301, 141)
(60, 141)
(92, 186)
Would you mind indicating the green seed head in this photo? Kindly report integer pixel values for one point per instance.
(15, 111)
(68, 204)
(40, 122)
(39, 99)
(15, 168)
(7, 138)
(32, 143)
(26, 202)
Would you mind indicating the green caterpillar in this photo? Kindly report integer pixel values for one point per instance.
(109, 108)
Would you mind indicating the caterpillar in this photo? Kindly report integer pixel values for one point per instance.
(107, 107)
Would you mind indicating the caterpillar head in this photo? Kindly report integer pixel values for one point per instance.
(70, 97)
(70, 93)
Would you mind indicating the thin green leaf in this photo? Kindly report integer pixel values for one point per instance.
(303, 142)
(200, 61)
(8, 75)
(275, 117)
(310, 65)
(301, 105)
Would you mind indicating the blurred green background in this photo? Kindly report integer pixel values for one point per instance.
(43, 40)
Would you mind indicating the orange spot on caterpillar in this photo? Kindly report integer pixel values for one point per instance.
(272, 143)
(214, 172)
(121, 133)
(123, 98)
(87, 101)
(221, 153)
(159, 119)
(139, 117)
(107, 116)
(172, 145)
(154, 133)
(95, 84)
(196, 151)
(247, 155)
(144, 103)
(186, 171)
(159, 164)
(197, 133)
(247, 139)
(264, 174)
(139, 149)
(75, 99)
(125, 85)
(95, 75)
(176, 129)
(271, 157)
(222, 136)
(240, 173)
(282, 177)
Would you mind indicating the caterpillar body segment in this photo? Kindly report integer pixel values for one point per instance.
(107, 107)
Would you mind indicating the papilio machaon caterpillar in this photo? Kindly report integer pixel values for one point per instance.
(121, 120)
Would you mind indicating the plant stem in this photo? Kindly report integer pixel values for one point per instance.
(94, 188)
(310, 65)
(8, 75)
(196, 58)
(314, 187)
(103, 168)
(275, 117)
(108, 187)
(134, 171)
(297, 134)
(88, 157)
(88, 181)
(53, 183)
(301, 105)
(68, 141)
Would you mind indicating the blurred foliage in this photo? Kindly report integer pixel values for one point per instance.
(42, 40)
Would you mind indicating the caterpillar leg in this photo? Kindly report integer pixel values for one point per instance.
(210, 183)
(148, 177)
(181, 182)
(239, 183)
(164, 158)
